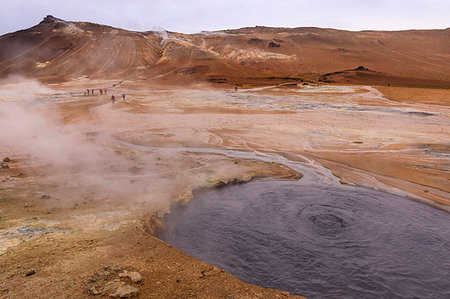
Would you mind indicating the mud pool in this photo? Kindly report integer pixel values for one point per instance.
(320, 242)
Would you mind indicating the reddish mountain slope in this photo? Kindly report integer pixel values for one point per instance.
(56, 50)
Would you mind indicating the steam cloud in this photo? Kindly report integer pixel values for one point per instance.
(66, 151)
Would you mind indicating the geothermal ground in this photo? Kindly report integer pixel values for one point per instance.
(85, 183)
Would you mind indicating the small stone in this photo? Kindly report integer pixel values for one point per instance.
(134, 276)
(112, 268)
(105, 273)
(5, 165)
(6, 160)
(45, 196)
(30, 272)
(126, 291)
(112, 286)
(220, 185)
(93, 290)
(89, 281)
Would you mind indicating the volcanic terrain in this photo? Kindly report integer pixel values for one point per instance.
(85, 182)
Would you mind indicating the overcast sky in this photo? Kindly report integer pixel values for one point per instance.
(191, 16)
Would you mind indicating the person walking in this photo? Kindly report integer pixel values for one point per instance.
(123, 97)
(113, 99)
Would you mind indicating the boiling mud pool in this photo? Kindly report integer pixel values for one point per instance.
(321, 242)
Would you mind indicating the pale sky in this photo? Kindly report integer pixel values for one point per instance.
(192, 16)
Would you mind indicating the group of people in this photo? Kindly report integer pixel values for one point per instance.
(113, 98)
(91, 92)
(88, 92)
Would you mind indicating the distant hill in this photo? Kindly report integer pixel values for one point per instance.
(56, 50)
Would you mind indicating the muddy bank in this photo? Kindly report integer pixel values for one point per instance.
(62, 243)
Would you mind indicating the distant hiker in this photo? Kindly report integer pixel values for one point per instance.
(113, 99)
(235, 89)
(101, 91)
(92, 92)
(105, 91)
(123, 97)
(87, 91)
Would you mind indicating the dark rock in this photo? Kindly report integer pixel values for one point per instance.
(6, 160)
(361, 68)
(89, 281)
(420, 113)
(45, 196)
(30, 272)
(51, 19)
(220, 185)
(274, 45)
(256, 41)
(5, 165)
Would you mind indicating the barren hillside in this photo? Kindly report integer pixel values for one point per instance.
(56, 50)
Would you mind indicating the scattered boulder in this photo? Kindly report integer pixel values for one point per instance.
(45, 196)
(5, 165)
(7, 160)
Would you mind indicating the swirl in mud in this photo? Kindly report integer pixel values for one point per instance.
(321, 242)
